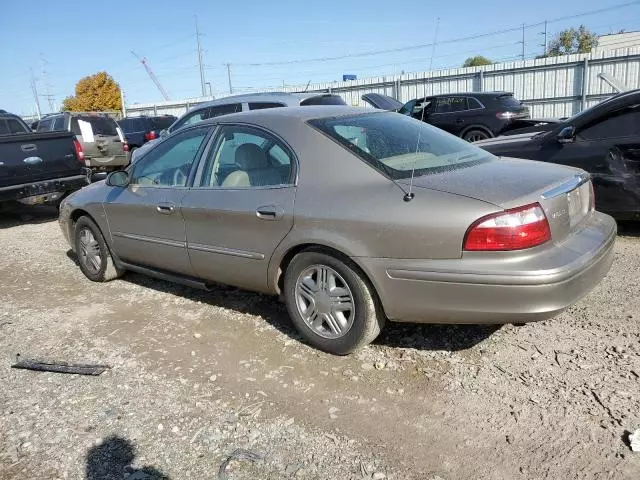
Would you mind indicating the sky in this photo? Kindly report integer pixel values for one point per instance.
(268, 44)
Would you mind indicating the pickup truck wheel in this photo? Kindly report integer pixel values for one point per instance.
(93, 253)
(331, 303)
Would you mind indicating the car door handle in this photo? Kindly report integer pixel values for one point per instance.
(459, 121)
(165, 208)
(269, 212)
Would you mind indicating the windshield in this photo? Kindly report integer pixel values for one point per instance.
(397, 144)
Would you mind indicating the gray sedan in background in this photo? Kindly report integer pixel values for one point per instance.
(353, 216)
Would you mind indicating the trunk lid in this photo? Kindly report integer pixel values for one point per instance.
(383, 102)
(35, 157)
(563, 192)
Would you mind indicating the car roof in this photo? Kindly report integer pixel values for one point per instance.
(470, 94)
(289, 99)
(295, 113)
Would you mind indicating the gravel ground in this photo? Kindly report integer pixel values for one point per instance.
(197, 376)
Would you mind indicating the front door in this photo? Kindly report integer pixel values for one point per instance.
(146, 225)
(241, 206)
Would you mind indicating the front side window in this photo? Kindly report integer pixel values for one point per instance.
(170, 163)
(397, 144)
(247, 157)
(621, 123)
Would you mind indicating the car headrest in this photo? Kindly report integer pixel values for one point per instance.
(251, 157)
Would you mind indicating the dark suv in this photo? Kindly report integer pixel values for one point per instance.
(138, 130)
(472, 116)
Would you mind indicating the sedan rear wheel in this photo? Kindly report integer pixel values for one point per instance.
(93, 253)
(331, 303)
(476, 135)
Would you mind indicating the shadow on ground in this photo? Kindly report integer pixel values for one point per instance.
(629, 229)
(423, 337)
(112, 460)
(14, 214)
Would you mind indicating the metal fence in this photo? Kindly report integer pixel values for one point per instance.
(551, 87)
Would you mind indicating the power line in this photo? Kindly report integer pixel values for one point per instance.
(450, 41)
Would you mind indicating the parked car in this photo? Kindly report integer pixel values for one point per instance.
(104, 148)
(11, 124)
(472, 116)
(353, 216)
(39, 167)
(244, 103)
(603, 140)
(139, 130)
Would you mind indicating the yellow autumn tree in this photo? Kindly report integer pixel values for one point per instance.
(95, 93)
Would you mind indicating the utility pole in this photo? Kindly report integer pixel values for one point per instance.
(124, 109)
(202, 82)
(34, 89)
(433, 45)
(228, 65)
(48, 95)
(523, 41)
(544, 45)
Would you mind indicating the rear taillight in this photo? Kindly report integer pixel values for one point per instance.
(125, 147)
(506, 115)
(152, 135)
(514, 229)
(79, 152)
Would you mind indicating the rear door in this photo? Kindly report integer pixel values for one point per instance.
(233, 227)
(451, 114)
(99, 137)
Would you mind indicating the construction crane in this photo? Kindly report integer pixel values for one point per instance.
(152, 75)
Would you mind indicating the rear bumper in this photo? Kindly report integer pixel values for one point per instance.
(43, 188)
(530, 287)
(116, 161)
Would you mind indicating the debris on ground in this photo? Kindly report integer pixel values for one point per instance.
(237, 454)
(634, 441)
(59, 367)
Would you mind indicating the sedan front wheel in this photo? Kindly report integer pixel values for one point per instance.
(93, 253)
(331, 303)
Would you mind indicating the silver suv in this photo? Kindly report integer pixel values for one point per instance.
(103, 146)
(243, 103)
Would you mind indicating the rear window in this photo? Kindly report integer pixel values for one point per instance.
(323, 100)
(160, 123)
(396, 144)
(129, 125)
(100, 125)
(509, 101)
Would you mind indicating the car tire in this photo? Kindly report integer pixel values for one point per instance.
(318, 290)
(475, 135)
(94, 257)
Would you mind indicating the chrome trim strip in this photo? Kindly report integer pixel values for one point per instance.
(567, 186)
(142, 238)
(226, 251)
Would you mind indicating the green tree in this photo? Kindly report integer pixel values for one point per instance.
(476, 61)
(572, 40)
(95, 93)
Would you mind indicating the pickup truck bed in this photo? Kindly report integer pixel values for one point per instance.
(40, 167)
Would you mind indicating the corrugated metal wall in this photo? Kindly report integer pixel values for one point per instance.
(552, 87)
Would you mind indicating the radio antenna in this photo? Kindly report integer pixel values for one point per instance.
(409, 195)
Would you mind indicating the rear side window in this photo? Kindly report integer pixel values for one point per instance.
(263, 105)
(44, 125)
(101, 125)
(451, 104)
(509, 101)
(15, 126)
(4, 128)
(225, 109)
(58, 123)
(473, 103)
(323, 100)
(160, 123)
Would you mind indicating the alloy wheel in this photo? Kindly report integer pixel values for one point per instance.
(89, 251)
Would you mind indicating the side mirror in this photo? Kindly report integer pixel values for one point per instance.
(164, 133)
(566, 135)
(119, 178)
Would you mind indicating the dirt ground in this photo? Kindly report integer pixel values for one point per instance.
(198, 375)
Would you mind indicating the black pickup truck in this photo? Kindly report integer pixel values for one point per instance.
(40, 168)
